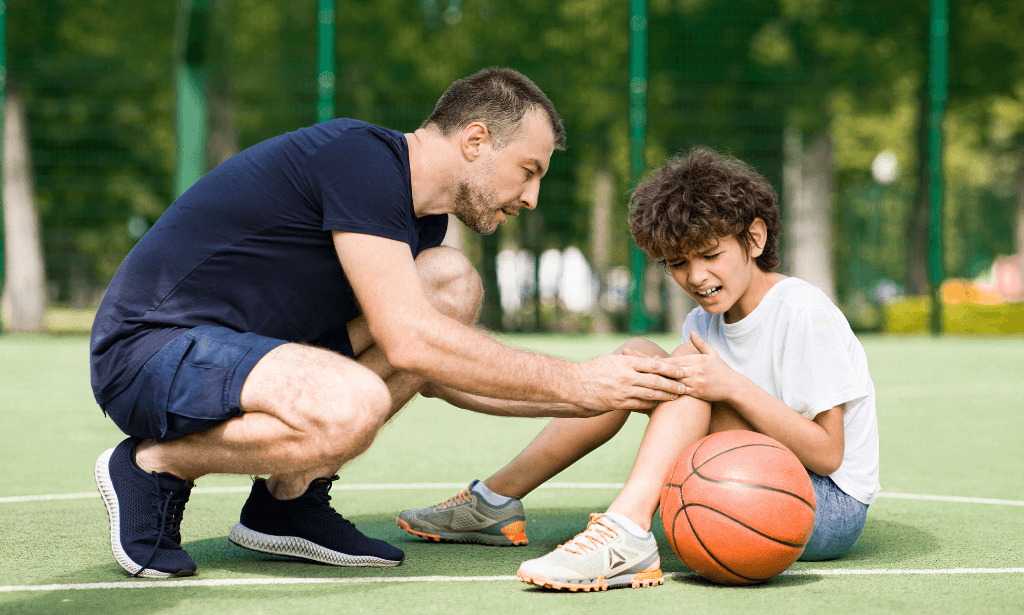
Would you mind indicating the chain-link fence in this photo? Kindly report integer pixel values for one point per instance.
(810, 93)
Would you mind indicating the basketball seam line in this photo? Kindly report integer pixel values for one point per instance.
(695, 470)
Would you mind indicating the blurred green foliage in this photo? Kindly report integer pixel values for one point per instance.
(910, 315)
(97, 77)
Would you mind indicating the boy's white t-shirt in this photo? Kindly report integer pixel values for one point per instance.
(799, 348)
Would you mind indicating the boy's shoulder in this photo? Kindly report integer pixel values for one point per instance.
(799, 294)
(801, 298)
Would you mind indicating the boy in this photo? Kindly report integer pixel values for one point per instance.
(762, 352)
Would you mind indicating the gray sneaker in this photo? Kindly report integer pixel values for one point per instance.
(467, 517)
(604, 556)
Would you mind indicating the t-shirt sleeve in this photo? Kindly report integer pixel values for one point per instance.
(816, 365)
(361, 183)
(689, 325)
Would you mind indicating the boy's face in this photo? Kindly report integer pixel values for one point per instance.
(721, 276)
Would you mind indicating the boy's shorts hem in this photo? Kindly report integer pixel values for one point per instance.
(838, 521)
(191, 384)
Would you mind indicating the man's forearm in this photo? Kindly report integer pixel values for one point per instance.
(465, 359)
(504, 407)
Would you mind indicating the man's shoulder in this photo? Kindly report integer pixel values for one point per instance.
(349, 129)
(355, 142)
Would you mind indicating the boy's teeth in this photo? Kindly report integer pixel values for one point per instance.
(710, 291)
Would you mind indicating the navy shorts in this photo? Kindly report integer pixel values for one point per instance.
(838, 521)
(190, 385)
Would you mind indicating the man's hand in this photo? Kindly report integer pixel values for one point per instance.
(619, 382)
(705, 375)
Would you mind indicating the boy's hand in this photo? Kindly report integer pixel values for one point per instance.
(705, 375)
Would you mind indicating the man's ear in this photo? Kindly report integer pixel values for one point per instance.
(475, 138)
(759, 235)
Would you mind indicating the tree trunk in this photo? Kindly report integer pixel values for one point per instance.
(600, 242)
(25, 283)
(808, 191)
(917, 229)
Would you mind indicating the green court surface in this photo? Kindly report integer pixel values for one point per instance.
(947, 536)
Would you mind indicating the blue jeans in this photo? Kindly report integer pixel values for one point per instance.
(838, 521)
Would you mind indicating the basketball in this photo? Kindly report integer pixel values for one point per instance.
(738, 507)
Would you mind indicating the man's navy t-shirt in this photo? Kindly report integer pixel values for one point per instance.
(249, 247)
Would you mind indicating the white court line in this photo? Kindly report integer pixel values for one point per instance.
(455, 486)
(443, 579)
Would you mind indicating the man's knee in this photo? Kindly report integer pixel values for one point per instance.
(451, 282)
(333, 405)
(353, 422)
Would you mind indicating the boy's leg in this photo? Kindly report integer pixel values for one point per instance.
(674, 426)
(617, 548)
(492, 511)
(562, 442)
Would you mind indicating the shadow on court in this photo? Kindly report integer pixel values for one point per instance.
(885, 542)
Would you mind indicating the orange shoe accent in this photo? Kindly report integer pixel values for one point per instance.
(405, 526)
(650, 577)
(516, 532)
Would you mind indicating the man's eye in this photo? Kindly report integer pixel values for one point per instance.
(529, 174)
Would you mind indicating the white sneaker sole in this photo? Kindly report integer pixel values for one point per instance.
(106, 488)
(293, 546)
(650, 577)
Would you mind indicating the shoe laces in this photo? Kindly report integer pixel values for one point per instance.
(461, 497)
(170, 508)
(318, 493)
(597, 534)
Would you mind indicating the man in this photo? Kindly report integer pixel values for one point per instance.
(295, 298)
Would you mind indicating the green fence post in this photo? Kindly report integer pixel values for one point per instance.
(325, 61)
(193, 115)
(938, 76)
(639, 320)
(3, 89)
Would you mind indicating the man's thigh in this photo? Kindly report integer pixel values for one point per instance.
(298, 383)
(192, 384)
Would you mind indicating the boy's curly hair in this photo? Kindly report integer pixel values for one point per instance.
(696, 198)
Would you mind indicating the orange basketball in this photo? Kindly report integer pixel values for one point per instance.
(738, 507)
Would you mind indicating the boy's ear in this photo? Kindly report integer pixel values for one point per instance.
(759, 235)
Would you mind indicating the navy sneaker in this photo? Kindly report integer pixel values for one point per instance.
(309, 528)
(145, 511)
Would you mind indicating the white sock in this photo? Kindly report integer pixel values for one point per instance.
(628, 525)
(494, 499)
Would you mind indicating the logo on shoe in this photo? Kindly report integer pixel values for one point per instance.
(616, 559)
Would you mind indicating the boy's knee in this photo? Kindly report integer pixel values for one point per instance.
(643, 346)
(451, 282)
(725, 418)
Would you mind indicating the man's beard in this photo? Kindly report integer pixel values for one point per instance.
(475, 210)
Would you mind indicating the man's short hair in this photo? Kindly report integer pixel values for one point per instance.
(696, 198)
(498, 98)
